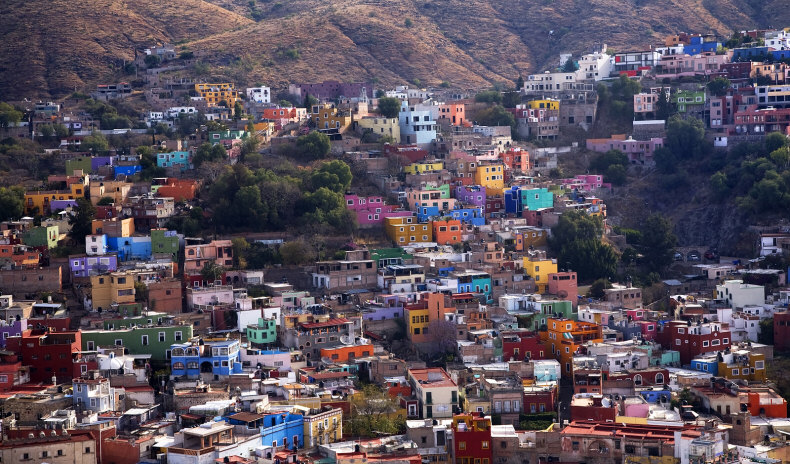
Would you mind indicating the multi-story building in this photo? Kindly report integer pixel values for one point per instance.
(211, 361)
(40, 202)
(539, 119)
(214, 94)
(436, 393)
(356, 271)
(492, 177)
(312, 337)
(564, 336)
(406, 230)
(197, 256)
(86, 266)
(624, 296)
(472, 438)
(447, 231)
(522, 345)
(432, 307)
(261, 94)
(48, 354)
(737, 294)
(93, 394)
(111, 289)
(540, 269)
(380, 126)
(401, 278)
(327, 117)
(691, 340)
(416, 125)
(262, 333)
(73, 447)
(323, 427)
(638, 151)
(371, 211)
(148, 339)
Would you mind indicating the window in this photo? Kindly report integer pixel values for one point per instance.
(705, 343)
(461, 445)
(485, 445)
(144, 340)
(735, 372)
(161, 336)
(118, 342)
(759, 364)
(637, 379)
(178, 336)
(659, 378)
(715, 342)
(725, 341)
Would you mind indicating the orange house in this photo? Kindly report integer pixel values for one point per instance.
(21, 256)
(178, 189)
(516, 158)
(453, 113)
(766, 402)
(564, 336)
(344, 353)
(447, 232)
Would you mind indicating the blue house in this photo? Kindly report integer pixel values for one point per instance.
(747, 54)
(178, 159)
(211, 359)
(656, 396)
(127, 170)
(283, 429)
(129, 248)
(470, 215)
(707, 363)
(513, 200)
(425, 213)
(698, 45)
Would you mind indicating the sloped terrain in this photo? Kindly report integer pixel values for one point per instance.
(53, 47)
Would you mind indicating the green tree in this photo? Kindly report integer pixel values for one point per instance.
(95, 143)
(140, 292)
(238, 111)
(775, 141)
(511, 99)
(81, 220)
(576, 240)
(313, 146)
(663, 105)
(105, 201)
(597, 289)
(334, 175)
(12, 202)
(616, 174)
(519, 83)
(211, 271)
(569, 66)
(658, 242)
(374, 412)
(719, 184)
(489, 96)
(686, 138)
(9, 115)
(241, 248)
(309, 101)
(251, 144)
(209, 153)
(389, 107)
(47, 131)
(602, 162)
(296, 252)
(766, 335)
(152, 61)
(718, 86)
(496, 116)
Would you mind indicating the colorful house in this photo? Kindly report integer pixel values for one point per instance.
(423, 167)
(564, 336)
(432, 306)
(437, 197)
(165, 241)
(110, 289)
(453, 113)
(262, 333)
(471, 195)
(516, 158)
(86, 266)
(468, 215)
(327, 117)
(215, 359)
(492, 177)
(406, 230)
(539, 270)
(40, 201)
(323, 427)
(371, 211)
(41, 236)
(447, 231)
(49, 354)
(174, 159)
(214, 94)
(472, 438)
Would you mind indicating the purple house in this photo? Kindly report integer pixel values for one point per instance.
(99, 161)
(11, 329)
(471, 195)
(85, 266)
(371, 211)
(384, 308)
(55, 205)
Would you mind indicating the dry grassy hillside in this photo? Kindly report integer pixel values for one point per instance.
(51, 47)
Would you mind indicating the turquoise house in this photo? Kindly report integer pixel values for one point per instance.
(535, 199)
(178, 159)
(262, 333)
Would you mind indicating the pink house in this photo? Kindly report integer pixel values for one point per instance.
(638, 151)
(676, 66)
(585, 183)
(636, 314)
(197, 256)
(371, 211)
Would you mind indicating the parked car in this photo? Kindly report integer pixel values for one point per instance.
(712, 254)
(693, 255)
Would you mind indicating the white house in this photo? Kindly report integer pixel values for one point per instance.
(416, 126)
(738, 294)
(259, 94)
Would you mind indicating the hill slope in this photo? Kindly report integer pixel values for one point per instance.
(51, 47)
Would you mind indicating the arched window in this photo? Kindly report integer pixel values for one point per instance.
(177, 352)
(659, 378)
(637, 379)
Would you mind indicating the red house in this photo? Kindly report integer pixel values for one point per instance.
(693, 339)
(782, 331)
(47, 353)
(520, 345)
(540, 398)
(586, 407)
(472, 433)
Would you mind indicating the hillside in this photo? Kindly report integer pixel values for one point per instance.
(53, 47)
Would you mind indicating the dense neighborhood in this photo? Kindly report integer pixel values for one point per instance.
(196, 272)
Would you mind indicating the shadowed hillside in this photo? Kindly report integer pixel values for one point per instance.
(53, 47)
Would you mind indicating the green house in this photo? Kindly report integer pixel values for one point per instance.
(263, 333)
(155, 341)
(165, 241)
(41, 236)
(389, 256)
(684, 99)
(139, 320)
(78, 164)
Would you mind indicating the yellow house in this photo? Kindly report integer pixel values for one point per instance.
(116, 287)
(544, 105)
(419, 168)
(115, 189)
(539, 269)
(381, 126)
(406, 230)
(492, 177)
(744, 365)
(326, 116)
(213, 94)
(113, 227)
(323, 427)
(38, 201)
